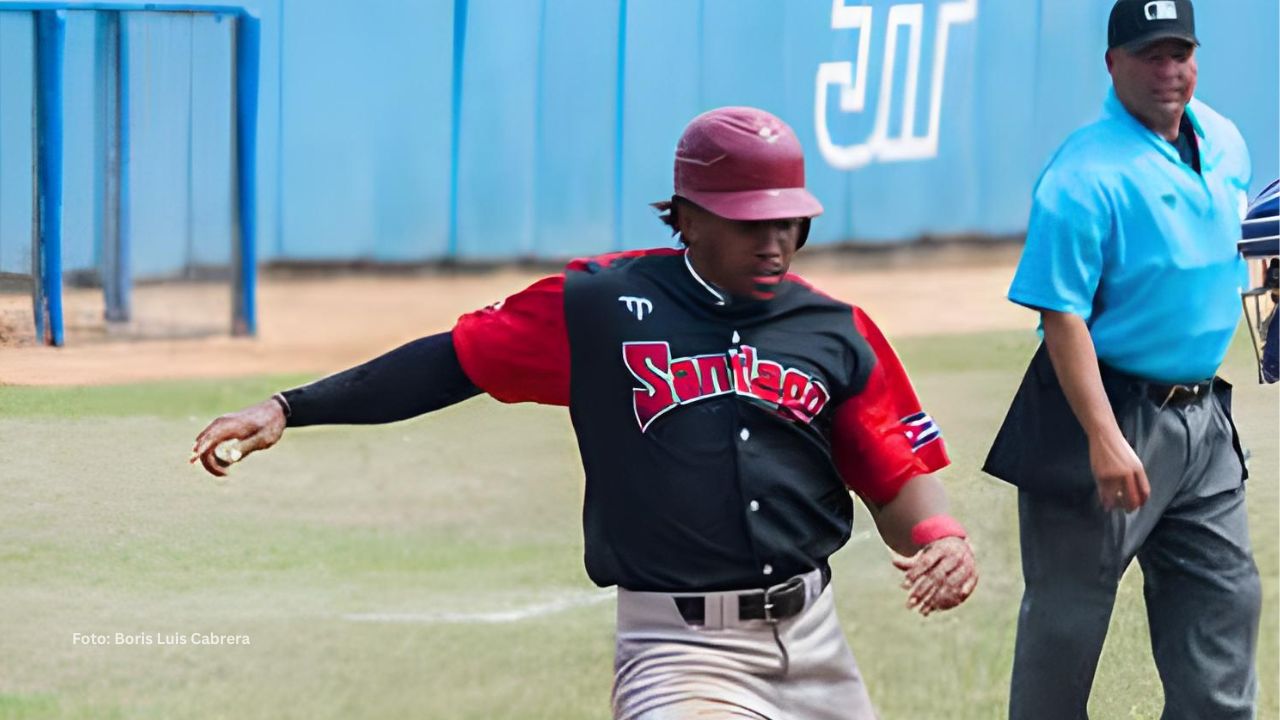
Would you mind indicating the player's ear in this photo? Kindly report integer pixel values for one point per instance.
(687, 223)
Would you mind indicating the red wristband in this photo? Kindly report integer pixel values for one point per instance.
(936, 528)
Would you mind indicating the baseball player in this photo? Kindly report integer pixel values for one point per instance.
(724, 409)
(1120, 438)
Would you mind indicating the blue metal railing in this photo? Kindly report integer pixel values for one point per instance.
(50, 35)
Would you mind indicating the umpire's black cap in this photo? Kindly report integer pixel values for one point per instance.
(1136, 23)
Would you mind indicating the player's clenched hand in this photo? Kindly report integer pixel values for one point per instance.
(256, 427)
(939, 577)
(1121, 479)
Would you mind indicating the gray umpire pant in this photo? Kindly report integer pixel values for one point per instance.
(1201, 586)
(666, 669)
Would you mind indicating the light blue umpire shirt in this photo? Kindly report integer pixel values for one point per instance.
(1130, 238)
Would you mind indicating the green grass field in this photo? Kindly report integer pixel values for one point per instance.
(105, 529)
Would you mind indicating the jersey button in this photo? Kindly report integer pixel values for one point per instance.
(767, 569)
(755, 506)
(744, 434)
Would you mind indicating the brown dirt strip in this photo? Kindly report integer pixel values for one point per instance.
(323, 324)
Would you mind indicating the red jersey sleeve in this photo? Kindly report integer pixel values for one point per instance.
(880, 437)
(517, 350)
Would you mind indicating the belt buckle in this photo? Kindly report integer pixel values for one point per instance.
(1176, 390)
(1179, 392)
(769, 593)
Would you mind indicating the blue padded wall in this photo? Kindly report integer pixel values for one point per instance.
(416, 130)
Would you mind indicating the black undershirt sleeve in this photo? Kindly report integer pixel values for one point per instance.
(413, 379)
(1187, 145)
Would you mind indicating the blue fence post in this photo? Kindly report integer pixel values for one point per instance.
(116, 280)
(455, 122)
(244, 320)
(50, 38)
(619, 116)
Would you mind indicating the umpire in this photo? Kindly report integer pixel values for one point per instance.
(1120, 438)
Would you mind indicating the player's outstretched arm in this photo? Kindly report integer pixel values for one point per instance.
(254, 428)
(929, 546)
(413, 379)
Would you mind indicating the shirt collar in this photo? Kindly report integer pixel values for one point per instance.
(715, 294)
(1112, 108)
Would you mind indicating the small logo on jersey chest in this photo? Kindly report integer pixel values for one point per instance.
(668, 382)
(638, 306)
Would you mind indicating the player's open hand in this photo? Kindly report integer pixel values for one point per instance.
(939, 577)
(254, 428)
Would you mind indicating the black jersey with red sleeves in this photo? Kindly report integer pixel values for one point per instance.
(719, 436)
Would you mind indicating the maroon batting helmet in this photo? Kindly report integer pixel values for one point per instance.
(742, 163)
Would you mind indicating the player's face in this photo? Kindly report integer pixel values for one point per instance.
(746, 258)
(1155, 82)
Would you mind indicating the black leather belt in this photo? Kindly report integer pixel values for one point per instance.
(1162, 394)
(1177, 394)
(773, 604)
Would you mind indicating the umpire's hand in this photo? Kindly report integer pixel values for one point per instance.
(257, 427)
(1121, 479)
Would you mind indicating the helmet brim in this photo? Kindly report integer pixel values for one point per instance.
(778, 204)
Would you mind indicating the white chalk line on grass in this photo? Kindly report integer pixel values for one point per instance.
(529, 612)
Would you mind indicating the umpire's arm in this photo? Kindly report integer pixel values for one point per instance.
(1116, 468)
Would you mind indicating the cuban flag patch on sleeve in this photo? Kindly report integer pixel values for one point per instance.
(920, 430)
